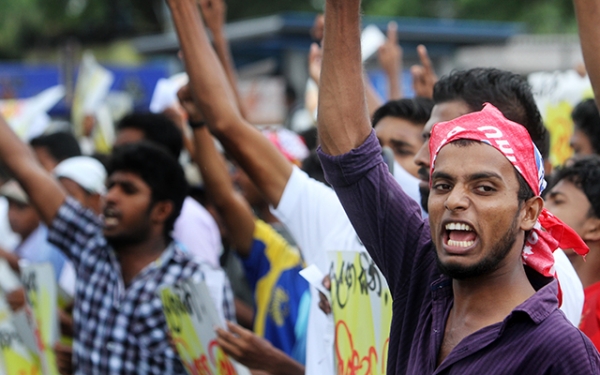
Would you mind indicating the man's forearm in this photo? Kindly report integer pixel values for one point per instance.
(224, 54)
(265, 165)
(281, 364)
(343, 118)
(588, 19)
(215, 99)
(44, 191)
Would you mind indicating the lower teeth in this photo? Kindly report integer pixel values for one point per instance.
(460, 243)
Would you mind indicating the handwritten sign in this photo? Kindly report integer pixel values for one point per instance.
(41, 292)
(191, 317)
(556, 94)
(16, 358)
(362, 310)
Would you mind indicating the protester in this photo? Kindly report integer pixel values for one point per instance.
(586, 133)
(83, 178)
(467, 91)
(53, 148)
(489, 314)
(575, 199)
(195, 228)
(120, 262)
(25, 221)
(271, 265)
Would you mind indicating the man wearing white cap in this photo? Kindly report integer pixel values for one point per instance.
(84, 179)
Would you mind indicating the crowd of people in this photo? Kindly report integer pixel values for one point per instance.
(492, 256)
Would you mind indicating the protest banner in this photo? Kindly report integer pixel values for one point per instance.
(362, 310)
(17, 357)
(93, 85)
(28, 117)
(191, 317)
(556, 94)
(41, 292)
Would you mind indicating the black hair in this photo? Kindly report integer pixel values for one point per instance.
(157, 128)
(509, 92)
(159, 170)
(584, 173)
(60, 145)
(587, 119)
(416, 110)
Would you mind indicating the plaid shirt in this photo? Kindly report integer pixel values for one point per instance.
(117, 329)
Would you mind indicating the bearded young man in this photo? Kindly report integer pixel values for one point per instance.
(121, 260)
(464, 302)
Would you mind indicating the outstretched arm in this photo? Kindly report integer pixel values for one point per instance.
(588, 19)
(214, 12)
(44, 192)
(343, 119)
(233, 208)
(390, 59)
(265, 165)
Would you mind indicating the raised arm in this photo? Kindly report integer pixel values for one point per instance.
(343, 119)
(265, 165)
(233, 208)
(390, 59)
(44, 191)
(588, 19)
(214, 12)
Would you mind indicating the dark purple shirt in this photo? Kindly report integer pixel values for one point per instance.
(536, 338)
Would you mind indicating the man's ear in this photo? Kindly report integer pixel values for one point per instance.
(591, 230)
(161, 211)
(531, 210)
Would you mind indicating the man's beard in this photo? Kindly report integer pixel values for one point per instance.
(424, 197)
(487, 265)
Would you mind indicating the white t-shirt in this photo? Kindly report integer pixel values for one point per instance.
(572, 289)
(198, 232)
(315, 218)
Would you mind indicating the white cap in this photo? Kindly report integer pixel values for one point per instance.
(87, 172)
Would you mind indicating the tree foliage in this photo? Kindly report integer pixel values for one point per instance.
(28, 23)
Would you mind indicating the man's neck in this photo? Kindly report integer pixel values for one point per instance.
(588, 269)
(481, 302)
(135, 257)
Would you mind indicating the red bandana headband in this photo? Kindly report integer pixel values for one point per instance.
(489, 126)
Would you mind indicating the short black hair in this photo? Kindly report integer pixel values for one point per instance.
(416, 110)
(157, 128)
(60, 145)
(587, 119)
(584, 173)
(509, 92)
(159, 170)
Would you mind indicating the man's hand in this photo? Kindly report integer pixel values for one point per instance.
(323, 301)
(390, 53)
(64, 358)
(214, 13)
(245, 347)
(315, 59)
(16, 299)
(255, 352)
(186, 99)
(424, 77)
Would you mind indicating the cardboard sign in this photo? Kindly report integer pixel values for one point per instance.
(41, 292)
(556, 94)
(362, 310)
(191, 317)
(16, 357)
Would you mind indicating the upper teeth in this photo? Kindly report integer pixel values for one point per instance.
(458, 226)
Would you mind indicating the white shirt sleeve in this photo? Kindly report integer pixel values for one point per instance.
(198, 232)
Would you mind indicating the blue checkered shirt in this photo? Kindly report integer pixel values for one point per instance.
(119, 330)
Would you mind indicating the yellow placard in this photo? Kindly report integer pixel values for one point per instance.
(191, 316)
(362, 310)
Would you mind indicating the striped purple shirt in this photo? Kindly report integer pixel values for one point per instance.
(535, 338)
